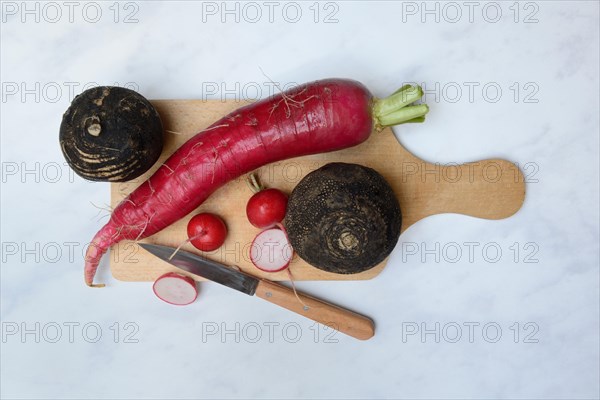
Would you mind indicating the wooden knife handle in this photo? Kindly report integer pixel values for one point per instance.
(340, 319)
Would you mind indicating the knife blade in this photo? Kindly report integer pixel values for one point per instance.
(335, 317)
(205, 268)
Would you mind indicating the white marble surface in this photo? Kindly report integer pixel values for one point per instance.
(182, 50)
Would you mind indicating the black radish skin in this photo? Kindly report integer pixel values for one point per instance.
(111, 134)
(343, 218)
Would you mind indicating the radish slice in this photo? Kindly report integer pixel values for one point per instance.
(176, 289)
(271, 250)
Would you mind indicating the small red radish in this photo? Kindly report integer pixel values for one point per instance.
(176, 289)
(271, 250)
(266, 207)
(206, 231)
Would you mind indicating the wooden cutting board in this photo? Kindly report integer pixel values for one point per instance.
(491, 189)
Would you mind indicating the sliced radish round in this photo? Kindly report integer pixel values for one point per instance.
(176, 289)
(271, 250)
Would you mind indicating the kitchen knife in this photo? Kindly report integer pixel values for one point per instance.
(345, 321)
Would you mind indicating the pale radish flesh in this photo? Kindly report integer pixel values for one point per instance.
(271, 250)
(176, 289)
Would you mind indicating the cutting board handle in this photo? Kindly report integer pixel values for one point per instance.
(490, 189)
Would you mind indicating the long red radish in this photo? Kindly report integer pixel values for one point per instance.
(271, 250)
(176, 289)
(313, 118)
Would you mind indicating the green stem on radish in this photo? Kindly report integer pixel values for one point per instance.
(402, 88)
(396, 108)
(253, 183)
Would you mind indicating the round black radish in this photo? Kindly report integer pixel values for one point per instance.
(111, 134)
(343, 218)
